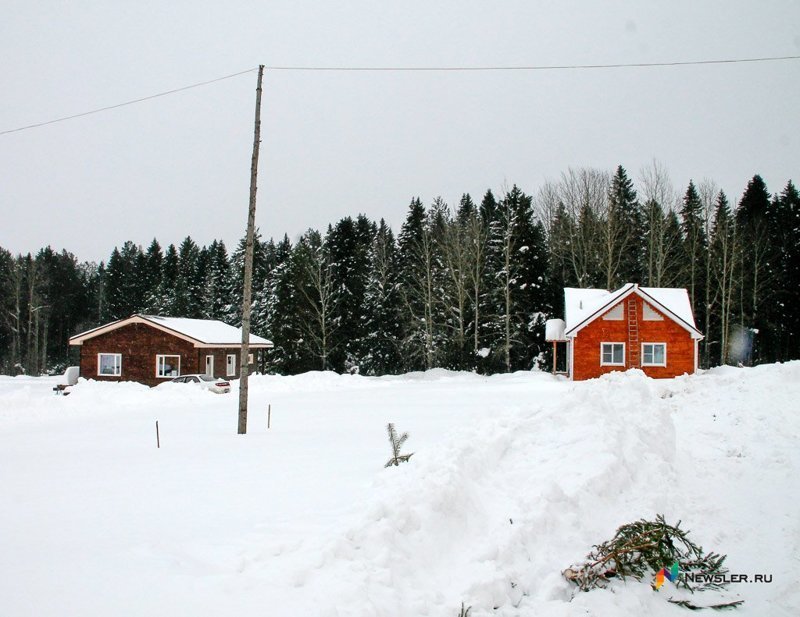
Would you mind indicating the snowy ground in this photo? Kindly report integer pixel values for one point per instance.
(513, 479)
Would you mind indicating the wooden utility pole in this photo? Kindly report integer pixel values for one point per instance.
(248, 264)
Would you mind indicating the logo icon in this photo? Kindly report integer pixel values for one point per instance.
(670, 574)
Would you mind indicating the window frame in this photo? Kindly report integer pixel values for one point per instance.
(654, 344)
(117, 364)
(230, 366)
(159, 365)
(602, 354)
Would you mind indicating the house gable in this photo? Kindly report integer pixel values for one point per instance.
(605, 304)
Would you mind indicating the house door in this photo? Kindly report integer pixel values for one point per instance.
(210, 366)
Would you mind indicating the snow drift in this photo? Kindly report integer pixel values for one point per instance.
(514, 477)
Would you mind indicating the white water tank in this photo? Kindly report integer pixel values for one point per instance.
(554, 330)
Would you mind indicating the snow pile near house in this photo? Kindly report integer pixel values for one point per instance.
(513, 478)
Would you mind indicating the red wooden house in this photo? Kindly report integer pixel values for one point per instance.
(649, 328)
(152, 349)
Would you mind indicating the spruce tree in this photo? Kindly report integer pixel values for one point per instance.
(348, 244)
(695, 251)
(217, 284)
(382, 307)
(281, 313)
(625, 235)
(166, 297)
(122, 288)
(786, 224)
(414, 252)
(756, 258)
(490, 355)
(151, 275)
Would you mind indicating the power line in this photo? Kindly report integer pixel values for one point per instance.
(555, 67)
(139, 100)
(428, 69)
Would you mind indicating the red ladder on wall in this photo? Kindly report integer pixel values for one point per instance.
(633, 334)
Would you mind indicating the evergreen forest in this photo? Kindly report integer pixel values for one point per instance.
(465, 286)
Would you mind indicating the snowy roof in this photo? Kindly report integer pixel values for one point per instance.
(581, 306)
(202, 332)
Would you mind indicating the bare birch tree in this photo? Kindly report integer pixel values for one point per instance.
(573, 211)
(315, 285)
(660, 198)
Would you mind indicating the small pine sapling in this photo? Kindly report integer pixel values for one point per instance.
(397, 444)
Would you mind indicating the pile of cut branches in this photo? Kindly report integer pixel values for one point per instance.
(644, 548)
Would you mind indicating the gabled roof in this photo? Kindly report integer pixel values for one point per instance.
(201, 332)
(582, 306)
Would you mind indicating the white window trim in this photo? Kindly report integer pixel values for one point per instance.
(612, 353)
(230, 367)
(167, 355)
(119, 364)
(205, 368)
(654, 363)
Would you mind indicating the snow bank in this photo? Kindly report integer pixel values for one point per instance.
(513, 478)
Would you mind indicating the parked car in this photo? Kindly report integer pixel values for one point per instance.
(215, 384)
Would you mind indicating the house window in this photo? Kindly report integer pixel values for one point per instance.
(615, 314)
(649, 314)
(612, 354)
(231, 365)
(168, 366)
(654, 354)
(109, 364)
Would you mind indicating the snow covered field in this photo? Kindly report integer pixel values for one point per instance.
(513, 478)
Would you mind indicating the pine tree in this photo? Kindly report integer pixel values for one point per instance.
(348, 244)
(756, 256)
(416, 261)
(217, 284)
(624, 233)
(64, 301)
(695, 245)
(490, 325)
(152, 264)
(165, 301)
(124, 294)
(281, 313)
(382, 307)
(784, 323)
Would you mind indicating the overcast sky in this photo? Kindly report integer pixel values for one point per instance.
(337, 144)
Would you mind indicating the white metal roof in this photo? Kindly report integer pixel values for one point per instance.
(201, 332)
